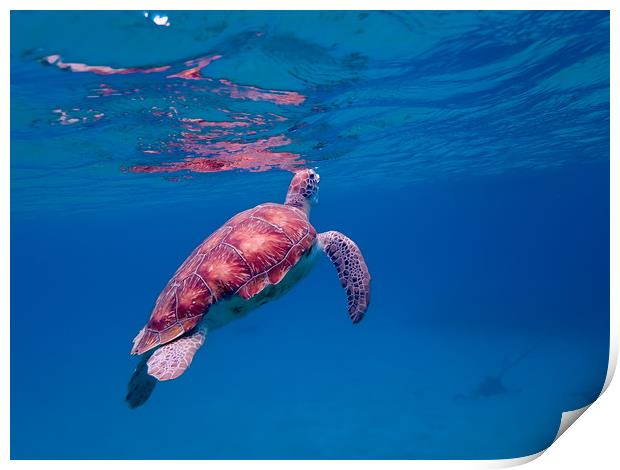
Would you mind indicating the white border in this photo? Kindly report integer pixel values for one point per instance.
(594, 441)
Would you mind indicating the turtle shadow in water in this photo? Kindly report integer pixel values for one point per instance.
(494, 385)
(140, 385)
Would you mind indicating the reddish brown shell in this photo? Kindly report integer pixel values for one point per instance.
(252, 250)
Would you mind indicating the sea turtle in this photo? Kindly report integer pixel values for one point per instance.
(254, 257)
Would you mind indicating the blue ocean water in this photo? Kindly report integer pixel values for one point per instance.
(467, 154)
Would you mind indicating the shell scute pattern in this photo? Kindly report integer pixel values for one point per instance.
(223, 270)
(250, 251)
(254, 286)
(259, 244)
(290, 222)
(214, 240)
(193, 295)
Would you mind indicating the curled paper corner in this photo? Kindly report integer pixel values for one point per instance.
(515, 462)
(568, 418)
(613, 359)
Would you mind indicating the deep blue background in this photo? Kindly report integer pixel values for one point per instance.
(466, 153)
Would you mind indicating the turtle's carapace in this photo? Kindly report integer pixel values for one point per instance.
(256, 256)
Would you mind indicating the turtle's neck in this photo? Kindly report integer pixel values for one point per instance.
(298, 201)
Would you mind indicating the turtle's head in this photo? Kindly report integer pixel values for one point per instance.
(303, 190)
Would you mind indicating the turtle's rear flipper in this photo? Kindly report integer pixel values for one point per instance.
(172, 359)
(140, 385)
(352, 271)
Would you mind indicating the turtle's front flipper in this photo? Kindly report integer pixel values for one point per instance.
(352, 271)
(172, 359)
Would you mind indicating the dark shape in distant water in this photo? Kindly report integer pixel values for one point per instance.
(493, 385)
(256, 256)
